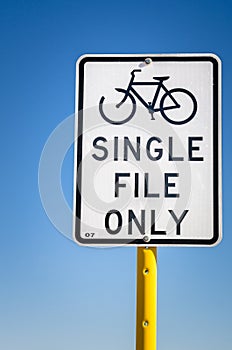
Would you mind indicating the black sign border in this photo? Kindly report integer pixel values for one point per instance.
(216, 165)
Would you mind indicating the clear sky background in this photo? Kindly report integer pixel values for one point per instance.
(55, 295)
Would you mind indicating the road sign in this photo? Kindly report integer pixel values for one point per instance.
(148, 150)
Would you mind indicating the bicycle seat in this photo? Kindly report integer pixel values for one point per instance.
(161, 78)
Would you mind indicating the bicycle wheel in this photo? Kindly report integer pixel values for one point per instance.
(115, 120)
(186, 106)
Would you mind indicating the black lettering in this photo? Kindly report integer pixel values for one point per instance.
(107, 222)
(159, 150)
(146, 192)
(170, 184)
(136, 191)
(102, 148)
(171, 158)
(115, 148)
(128, 144)
(140, 226)
(178, 221)
(117, 184)
(153, 230)
(192, 148)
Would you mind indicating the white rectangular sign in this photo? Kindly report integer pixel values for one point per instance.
(148, 150)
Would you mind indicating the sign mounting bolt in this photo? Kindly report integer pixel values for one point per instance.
(148, 60)
(146, 239)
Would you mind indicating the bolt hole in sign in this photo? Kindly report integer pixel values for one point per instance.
(148, 150)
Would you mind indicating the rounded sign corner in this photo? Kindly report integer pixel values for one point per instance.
(148, 169)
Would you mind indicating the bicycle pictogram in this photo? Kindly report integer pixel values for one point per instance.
(164, 104)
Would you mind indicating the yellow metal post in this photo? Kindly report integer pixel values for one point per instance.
(146, 298)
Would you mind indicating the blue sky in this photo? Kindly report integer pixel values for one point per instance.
(54, 294)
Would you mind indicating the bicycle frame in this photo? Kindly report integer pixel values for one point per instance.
(150, 106)
(171, 103)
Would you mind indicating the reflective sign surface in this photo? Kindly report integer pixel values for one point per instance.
(147, 157)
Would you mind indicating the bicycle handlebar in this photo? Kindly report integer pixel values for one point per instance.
(135, 70)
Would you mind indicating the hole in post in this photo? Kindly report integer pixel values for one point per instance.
(145, 323)
(146, 271)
